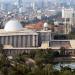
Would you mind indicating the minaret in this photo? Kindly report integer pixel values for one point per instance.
(33, 5)
(69, 3)
(19, 3)
(46, 3)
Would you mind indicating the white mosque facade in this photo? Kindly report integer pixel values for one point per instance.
(17, 39)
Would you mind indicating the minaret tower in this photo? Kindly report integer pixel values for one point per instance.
(33, 5)
(19, 3)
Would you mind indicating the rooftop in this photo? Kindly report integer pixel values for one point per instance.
(24, 31)
(12, 25)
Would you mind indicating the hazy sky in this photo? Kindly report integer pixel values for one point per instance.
(35, 0)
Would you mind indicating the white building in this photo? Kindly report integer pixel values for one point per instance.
(67, 14)
(16, 39)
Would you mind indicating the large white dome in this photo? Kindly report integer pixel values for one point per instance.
(13, 25)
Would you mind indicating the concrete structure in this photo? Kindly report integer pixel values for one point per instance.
(67, 14)
(16, 39)
(14, 35)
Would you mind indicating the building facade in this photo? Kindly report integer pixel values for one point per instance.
(17, 39)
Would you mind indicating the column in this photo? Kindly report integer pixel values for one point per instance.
(33, 40)
(11, 40)
(8, 40)
(5, 40)
(50, 36)
(23, 41)
(2, 40)
(36, 41)
(15, 41)
(28, 41)
(19, 41)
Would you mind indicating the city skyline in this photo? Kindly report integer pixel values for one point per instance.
(37, 0)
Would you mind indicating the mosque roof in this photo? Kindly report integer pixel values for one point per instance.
(13, 25)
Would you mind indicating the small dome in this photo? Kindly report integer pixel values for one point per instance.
(45, 25)
(13, 25)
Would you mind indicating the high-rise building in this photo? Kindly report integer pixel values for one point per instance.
(33, 4)
(67, 14)
(20, 3)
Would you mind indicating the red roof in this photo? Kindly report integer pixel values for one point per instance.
(37, 26)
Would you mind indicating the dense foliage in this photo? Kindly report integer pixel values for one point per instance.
(32, 63)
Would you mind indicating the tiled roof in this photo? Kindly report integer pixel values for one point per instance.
(37, 26)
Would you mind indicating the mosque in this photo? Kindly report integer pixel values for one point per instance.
(16, 39)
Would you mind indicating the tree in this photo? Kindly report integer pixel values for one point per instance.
(4, 62)
(62, 51)
(66, 72)
(56, 54)
(48, 69)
